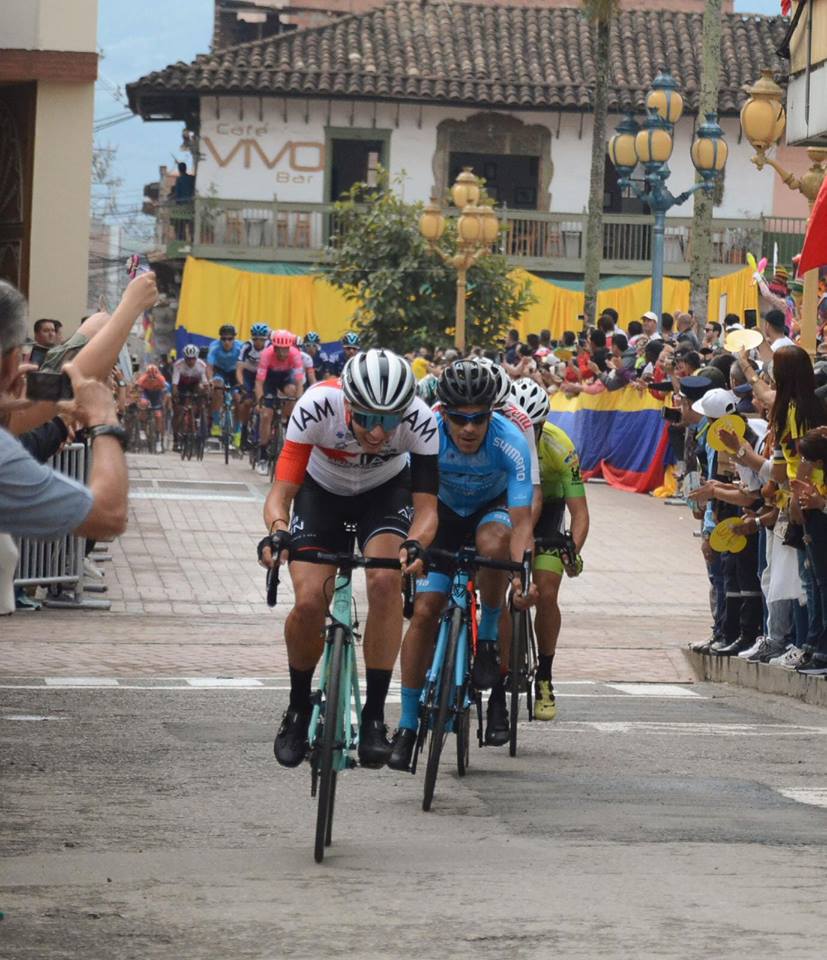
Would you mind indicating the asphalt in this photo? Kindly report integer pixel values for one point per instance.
(151, 822)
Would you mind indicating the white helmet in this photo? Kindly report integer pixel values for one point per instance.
(531, 398)
(190, 350)
(378, 381)
(501, 378)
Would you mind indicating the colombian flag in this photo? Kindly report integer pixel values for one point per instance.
(620, 435)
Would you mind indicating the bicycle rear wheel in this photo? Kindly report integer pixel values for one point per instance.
(186, 446)
(447, 692)
(519, 642)
(327, 755)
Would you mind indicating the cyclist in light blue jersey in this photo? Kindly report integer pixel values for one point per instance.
(485, 495)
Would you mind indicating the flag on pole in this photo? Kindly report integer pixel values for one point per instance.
(786, 6)
(814, 251)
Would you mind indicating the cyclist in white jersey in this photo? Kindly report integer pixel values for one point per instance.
(307, 363)
(246, 369)
(364, 451)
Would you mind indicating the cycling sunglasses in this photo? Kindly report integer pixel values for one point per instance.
(368, 421)
(227, 339)
(461, 419)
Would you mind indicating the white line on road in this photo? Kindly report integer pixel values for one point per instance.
(660, 690)
(689, 729)
(81, 682)
(814, 796)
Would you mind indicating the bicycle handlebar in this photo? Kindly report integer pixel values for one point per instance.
(467, 557)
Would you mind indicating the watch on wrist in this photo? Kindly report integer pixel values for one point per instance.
(108, 430)
(742, 452)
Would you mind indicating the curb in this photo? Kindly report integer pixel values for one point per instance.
(759, 676)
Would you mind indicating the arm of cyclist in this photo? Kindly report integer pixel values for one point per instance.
(522, 539)
(424, 490)
(290, 472)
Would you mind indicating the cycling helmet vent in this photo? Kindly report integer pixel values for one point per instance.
(259, 330)
(502, 380)
(351, 339)
(282, 338)
(378, 381)
(531, 398)
(190, 350)
(467, 383)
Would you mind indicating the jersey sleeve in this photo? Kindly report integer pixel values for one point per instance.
(422, 429)
(291, 465)
(264, 363)
(176, 375)
(534, 460)
(515, 462)
(310, 421)
(570, 476)
(297, 364)
(211, 352)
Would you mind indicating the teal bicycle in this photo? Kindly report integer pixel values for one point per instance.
(333, 734)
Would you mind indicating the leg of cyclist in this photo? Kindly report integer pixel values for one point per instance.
(493, 540)
(290, 392)
(548, 572)
(264, 430)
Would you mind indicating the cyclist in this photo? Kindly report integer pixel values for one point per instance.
(222, 360)
(189, 378)
(562, 489)
(313, 348)
(364, 450)
(280, 372)
(246, 370)
(153, 389)
(333, 362)
(307, 361)
(485, 496)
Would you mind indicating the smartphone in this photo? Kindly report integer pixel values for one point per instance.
(672, 414)
(49, 386)
(750, 319)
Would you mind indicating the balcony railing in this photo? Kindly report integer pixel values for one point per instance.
(553, 242)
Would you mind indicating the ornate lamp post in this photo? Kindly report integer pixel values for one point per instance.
(763, 121)
(477, 229)
(651, 145)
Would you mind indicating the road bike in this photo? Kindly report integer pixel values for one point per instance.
(333, 734)
(192, 430)
(522, 667)
(448, 694)
(227, 422)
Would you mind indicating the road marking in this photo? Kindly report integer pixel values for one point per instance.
(814, 796)
(232, 682)
(690, 729)
(660, 690)
(81, 682)
(26, 716)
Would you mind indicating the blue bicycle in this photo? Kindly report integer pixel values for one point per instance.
(448, 694)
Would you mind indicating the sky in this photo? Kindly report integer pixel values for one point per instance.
(135, 39)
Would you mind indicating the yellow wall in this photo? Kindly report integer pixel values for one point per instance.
(60, 202)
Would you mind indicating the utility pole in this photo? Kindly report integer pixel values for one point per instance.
(701, 266)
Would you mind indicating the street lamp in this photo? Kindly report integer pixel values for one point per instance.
(651, 145)
(477, 229)
(763, 122)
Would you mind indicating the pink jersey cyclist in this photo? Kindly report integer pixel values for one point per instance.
(278, 366)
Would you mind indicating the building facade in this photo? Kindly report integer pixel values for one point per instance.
(48, 67)
(807, 88)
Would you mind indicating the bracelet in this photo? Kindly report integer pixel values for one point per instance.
(279, 520)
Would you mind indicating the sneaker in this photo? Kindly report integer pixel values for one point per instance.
(748, 653)
(730, 649)
(24, 602)
(290, 745)
(545, 706)
(159, 447)
(814, 668)
(486, 670)
(374, 746)
(402, 748)
(767, 649)
(497, 729)
(262, 468)
(702, 646)
(215, 430)
(91, 569)
(790, 659)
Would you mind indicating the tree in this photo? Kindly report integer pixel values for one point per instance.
(403, 293)
(701, 266)
(601, 13)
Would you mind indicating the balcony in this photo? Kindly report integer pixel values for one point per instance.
(547, 242)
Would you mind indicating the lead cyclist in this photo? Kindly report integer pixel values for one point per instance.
(563, 489)
(361, 450)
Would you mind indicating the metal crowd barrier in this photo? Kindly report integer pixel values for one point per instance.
(58, 564)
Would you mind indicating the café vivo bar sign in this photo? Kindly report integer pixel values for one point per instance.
(295, 161)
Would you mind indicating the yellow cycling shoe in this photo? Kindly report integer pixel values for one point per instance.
(545, 707)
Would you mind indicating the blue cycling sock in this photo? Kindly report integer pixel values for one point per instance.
(489, 623)
(409, 718)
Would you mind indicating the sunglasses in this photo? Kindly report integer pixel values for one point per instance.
(461, 419)
(227, 339)
(369, 421)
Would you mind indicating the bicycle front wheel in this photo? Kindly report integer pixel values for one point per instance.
(519, 644)
(463, 740)
(327, 755)
(447, 692)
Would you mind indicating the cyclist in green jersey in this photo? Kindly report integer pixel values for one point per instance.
(562, 487)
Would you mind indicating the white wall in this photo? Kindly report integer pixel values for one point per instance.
(245, 174)
(49, 25)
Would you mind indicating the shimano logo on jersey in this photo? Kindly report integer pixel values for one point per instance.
(513, 454)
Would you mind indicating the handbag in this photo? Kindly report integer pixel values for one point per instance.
(794, 537)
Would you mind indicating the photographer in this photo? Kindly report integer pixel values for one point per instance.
(36, 501)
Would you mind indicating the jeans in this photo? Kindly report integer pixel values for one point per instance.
(717, 595)
(744, 603)
(815, 527)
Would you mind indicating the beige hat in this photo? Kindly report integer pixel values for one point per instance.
(649, 315)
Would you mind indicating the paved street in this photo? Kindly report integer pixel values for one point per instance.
(143, 814)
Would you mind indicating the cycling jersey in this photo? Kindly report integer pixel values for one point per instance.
(270, 362)
(151, 384)
(185, 375)
(249, 357)
(307, 360)
(319, 441)
(468, 481)
(559, 465)
(332, 363)
(223, 361)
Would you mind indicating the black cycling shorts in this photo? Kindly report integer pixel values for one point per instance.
(455, 531)
(319, 516)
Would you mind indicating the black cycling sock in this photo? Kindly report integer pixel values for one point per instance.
(262, 453)
(300, 685)
(498, 691)
(377, 683)
(544, 667)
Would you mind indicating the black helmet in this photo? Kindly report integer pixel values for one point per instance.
(466, 383)
(226, 330)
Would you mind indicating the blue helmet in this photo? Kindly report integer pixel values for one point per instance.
(259, 330)
(312, 339)
(351, 339)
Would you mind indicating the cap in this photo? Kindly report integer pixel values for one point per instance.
(782, 273)
(742, 390)
(693, 388)
(716, 403)
(649, 315)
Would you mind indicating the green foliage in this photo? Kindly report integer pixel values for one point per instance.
(403, 293)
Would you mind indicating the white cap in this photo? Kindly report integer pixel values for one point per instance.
(649, 315)
(716, 403)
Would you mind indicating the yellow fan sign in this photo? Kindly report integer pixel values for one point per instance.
(562, 354)
(724, 539)
(731, 424)
(748, 339)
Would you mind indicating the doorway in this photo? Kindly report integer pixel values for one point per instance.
(510, 179)
(354, 156)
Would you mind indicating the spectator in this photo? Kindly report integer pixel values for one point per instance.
(775, 335)
(686, 330)
(713, 333)
(649, 322)
(667, 327)
(635, 331)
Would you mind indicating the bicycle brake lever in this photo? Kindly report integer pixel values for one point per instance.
(409, 595)
(272, 586)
